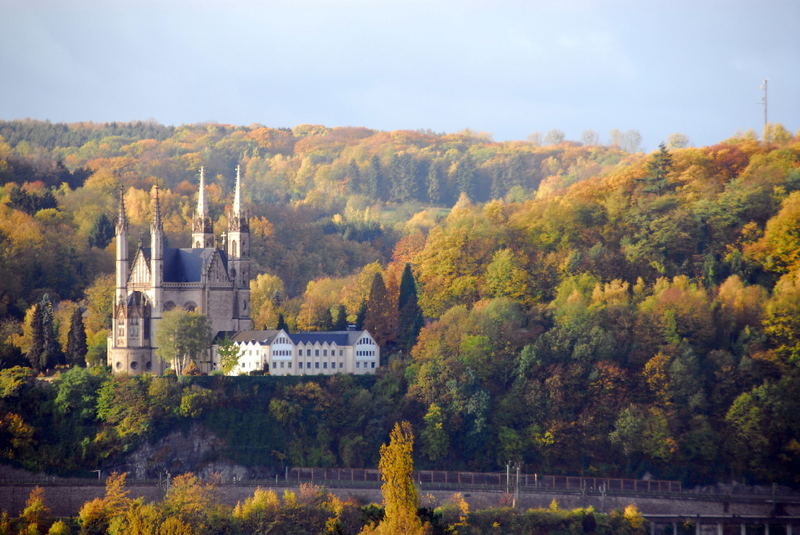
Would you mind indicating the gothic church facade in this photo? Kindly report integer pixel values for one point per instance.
(203, 278)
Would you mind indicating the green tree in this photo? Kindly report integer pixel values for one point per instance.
(505, 277)
(410, 319)
(45, 351)
(378, 319)
(657, 170)
(782, 318)
(326, 321)
(181, 337)
(340, 324)
(435, 189)
(102, 232)
(435, 441)
(76, 339)
(281, 323)
(361, 314)
(229, 355)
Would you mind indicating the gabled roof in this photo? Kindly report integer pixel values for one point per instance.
(340, 338)
(186, 265)
(263, 337)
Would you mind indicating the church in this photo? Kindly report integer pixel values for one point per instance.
(203, 278)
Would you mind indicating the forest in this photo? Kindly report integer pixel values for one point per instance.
(572, 307)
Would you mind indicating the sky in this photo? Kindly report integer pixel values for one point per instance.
(506, 67)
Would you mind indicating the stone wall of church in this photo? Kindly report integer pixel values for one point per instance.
(220, 309)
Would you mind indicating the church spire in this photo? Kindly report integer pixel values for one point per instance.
(122, 252)
(156, 210)
(237, 196)
(122, 220)
(201, 196)
(202, 230)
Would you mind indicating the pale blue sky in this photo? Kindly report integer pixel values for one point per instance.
(504, 67)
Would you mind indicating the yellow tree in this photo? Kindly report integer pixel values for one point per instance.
(399, 493)
(36, 511)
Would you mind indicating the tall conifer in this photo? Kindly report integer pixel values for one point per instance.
(45, 351)
(378, 317)
(410, 314)
(340, 323)
(76, 339)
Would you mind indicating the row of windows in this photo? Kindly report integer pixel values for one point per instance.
(365, 341)
(276, 365)
(288, 352)
(370, 353)
(282, 340)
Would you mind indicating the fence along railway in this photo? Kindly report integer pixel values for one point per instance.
(492, 480)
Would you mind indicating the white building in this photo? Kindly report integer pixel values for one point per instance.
(309, 353)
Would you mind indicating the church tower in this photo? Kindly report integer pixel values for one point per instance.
(156, 257)
(122, 253)
(239, 259)
(202, 231)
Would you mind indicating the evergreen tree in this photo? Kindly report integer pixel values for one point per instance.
(341, 319)
(354, 175)
(37, 339)
(361, 314)
(102, 232)
(466, 177)
(435, 195)
(45, 351)
(281, 324)
(378, 317)
(657, 171)
(410, 313)
(373, 180)
(76, 339)
(403, 173)
(326, 321)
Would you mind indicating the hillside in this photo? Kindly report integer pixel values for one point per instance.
(587, 310)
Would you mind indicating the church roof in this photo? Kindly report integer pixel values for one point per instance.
(186, 265)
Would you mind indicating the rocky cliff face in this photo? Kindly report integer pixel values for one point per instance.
(197, 450)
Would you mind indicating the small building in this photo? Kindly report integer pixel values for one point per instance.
(306, 353)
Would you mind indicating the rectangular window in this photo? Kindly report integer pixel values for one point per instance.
(316, 364)
(316, 352)
(341, 352)
(341, 364)
(358, 364)
(324, 352)
(289, 364)
(300, 365)
(373, 364)
(308, 364)
(325, 365)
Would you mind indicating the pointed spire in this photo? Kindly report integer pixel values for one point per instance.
(122, 220)
(156, 209)
(237, 196)
(201, 197)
